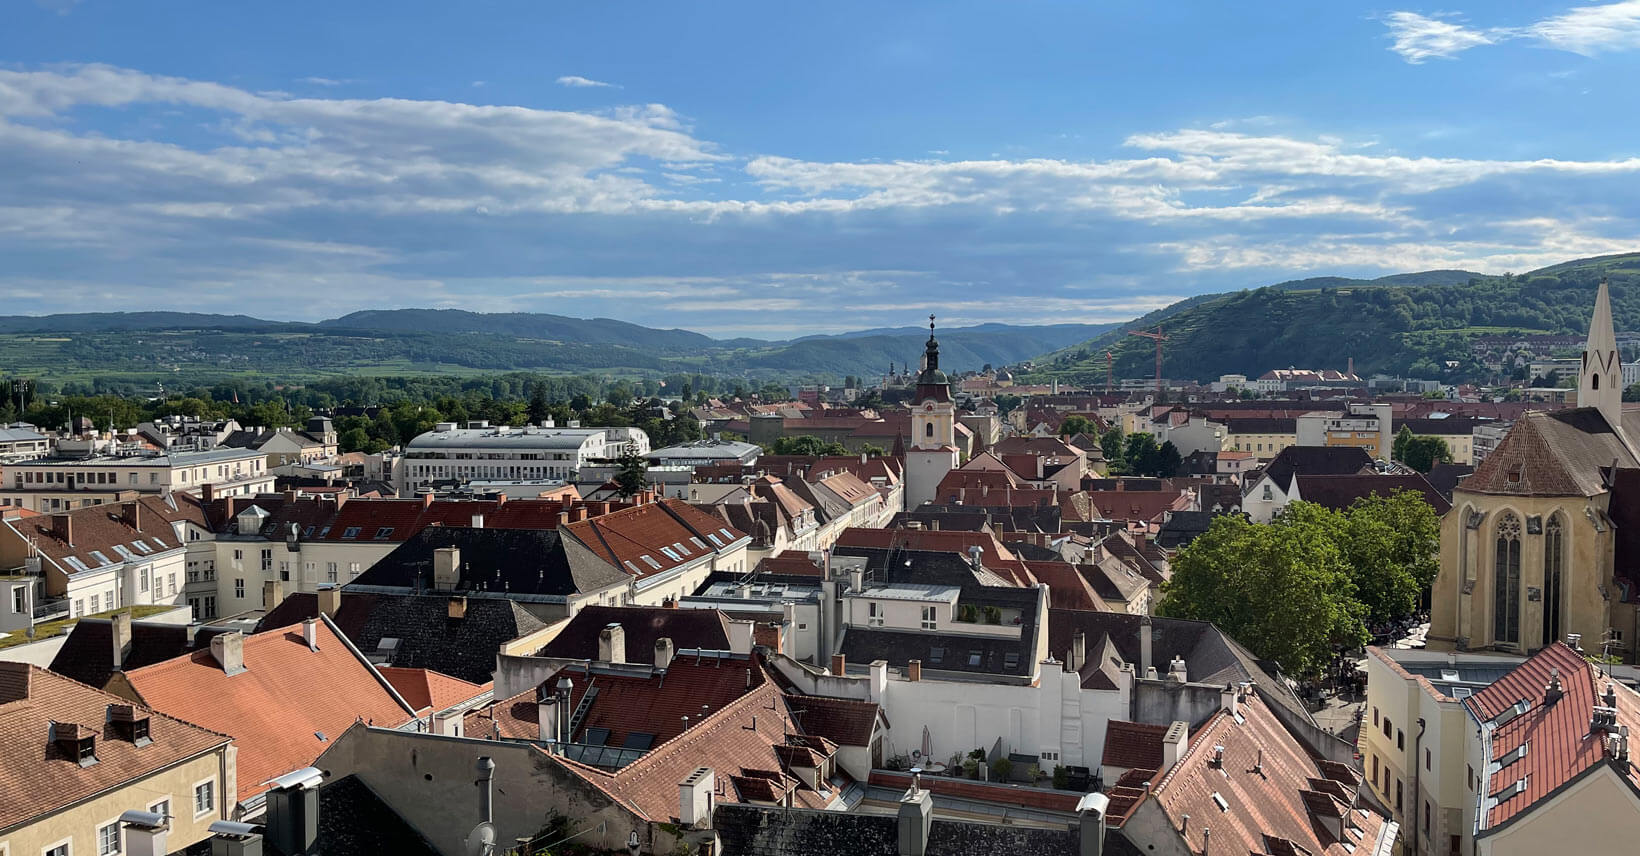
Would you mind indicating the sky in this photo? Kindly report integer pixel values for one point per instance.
(775, 170)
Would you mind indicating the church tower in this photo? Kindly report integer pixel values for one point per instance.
(1600, 382)
(933, 451)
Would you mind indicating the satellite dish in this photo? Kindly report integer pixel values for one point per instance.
(481, 841)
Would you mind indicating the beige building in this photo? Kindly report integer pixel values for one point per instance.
(1540, 538)
(1265, 437)
(78, 758)
(61, 483)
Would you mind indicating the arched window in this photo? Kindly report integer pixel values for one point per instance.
(1594, 381)
(928, 429)
(1554, 568)
(1506, 581)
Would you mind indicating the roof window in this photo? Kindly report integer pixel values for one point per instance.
(384, 533)
(101, 559)
(1511, 712)
(726, 535)
(714, 539)
(936, 654)
(678, 546)
(142, 546)
(1219, 800)
(350, 532)
(125, 552)
(697, 542)
(650, 561)
(1516, 787)
(1512, 756)
(973, 659)
(667, 552)
(75, 563)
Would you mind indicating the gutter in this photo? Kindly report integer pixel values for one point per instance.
(1417, 772)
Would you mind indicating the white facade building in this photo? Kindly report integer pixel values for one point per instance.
(481, 452)
(61, 483)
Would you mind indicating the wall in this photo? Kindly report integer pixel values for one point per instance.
(78, 824)
(1162, 702)
(39, 653)
(428, 780)
(1598, 814)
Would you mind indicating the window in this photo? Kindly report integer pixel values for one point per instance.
(210, 606)
(1426, 759)
(930, 618)
(330, 572)
(1398, 796)
(239, 588)
(384, 533)
(142, 579)
(1375, 769)
(1400, 740)
(96, 604)
(204, 798)
(1426, 818)
(874, 613)
(1506, 581)
(108, 839)
(162, 808)
(1469, 777)
(928, 430)
(350, 532)
(267, 559)
(238, 555)
(973, 659)
(59, 850)
(1388, 729)
(1554, 558)
(1375, 715)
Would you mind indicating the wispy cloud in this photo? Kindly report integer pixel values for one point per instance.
(1418, 38)
(579, 82)
(1586, 30)
(334, 204)
(324, 81)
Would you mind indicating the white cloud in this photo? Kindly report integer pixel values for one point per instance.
(333, 204)
(577, 81)
(323, 81)
(1590, 30)
(1418, 38)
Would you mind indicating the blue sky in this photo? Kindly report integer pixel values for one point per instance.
(780, 169)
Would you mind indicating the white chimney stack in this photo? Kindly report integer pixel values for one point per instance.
(446, 568)
(310, 633)
(1174, 744)
(612, 643)
(695, 799)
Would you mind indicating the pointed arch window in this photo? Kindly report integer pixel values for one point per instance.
(1554, 575)
(1594, 380)
(1506, 581)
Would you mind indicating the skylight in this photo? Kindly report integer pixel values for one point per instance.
(1511, 712)
(714, 539)
(667, 552)
(726, 535)
(680, 548)
(1218, 800)
(650, 561)
(973, 658)
(1512, 756)
(75, 563)
(350, 532)
(1516, 787)
(142, 546)
(325, 531)
(101, 559)
(697, 542)
(384, 533)
(123, 551)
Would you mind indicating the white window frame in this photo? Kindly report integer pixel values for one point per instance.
(67, 844)
(194, 793)
(153, 808)
(930, 618)
(119, 838)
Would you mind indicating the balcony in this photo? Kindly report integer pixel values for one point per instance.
(51, 609)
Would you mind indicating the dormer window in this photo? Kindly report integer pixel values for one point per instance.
(78, 742)
(129, 723)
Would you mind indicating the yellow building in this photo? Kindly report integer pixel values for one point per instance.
(1264, 437)
(1538, 542)
(78, 758)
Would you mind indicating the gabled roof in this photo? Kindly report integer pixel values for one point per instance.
(39, 777)
(1259, 791)
(502, 562)
(1133, 745)
(424, 634)
(1560, 744)
(1340, 492)
(1316, 460)
(643, 626)
(1557, 453)
(426, 690)
(278, 708)
(100, 536)
(846, 722)
(87, 653)
(633, 539)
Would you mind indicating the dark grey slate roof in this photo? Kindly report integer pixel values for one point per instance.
(643, 625)
(956, 652)
(87, 654)
(1315, 461)
(497, 561)
(428, 637)
(353, 821)
(1182, 527)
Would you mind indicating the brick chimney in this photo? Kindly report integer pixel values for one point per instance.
(62, 526)
(458, 608)
(913, 670)
(839, 665)
(207, 492)
(427, 500)
(131, 515)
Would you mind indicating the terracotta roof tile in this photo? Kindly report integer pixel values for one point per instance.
(633, 539)
(1134, 745)
(38, 777)
(275, 709)
(427, 690)
(844, 721)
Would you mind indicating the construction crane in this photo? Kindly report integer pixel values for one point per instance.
(1110, 367)
(1159, 338)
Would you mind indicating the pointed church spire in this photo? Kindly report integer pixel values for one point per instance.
(1600, 382)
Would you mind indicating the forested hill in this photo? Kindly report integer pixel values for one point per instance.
(1387, 325)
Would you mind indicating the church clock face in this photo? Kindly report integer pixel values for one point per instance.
(928, 407)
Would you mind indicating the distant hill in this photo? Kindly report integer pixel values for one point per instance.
(525, 325)
(101, 322)
(1411, 324)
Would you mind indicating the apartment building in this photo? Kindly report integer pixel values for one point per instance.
(478, 451)
(63, 483)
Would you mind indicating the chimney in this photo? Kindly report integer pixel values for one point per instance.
(546, 715)
(566, 691)
(310, 633)
(478, 521)
(330, 600)
(916, 820)
(292, 821)
(145, 833)
(1553, 692)
(856, 579)
(232, 838)
(1091, 824)
(838, 665)
(695, 799)
(1176, 670)
(229, 651)
(458, 608)
(207, 492)
(913, 670)
(1145, 670)
(612, 643)
(131, 515)
(1174, 744)
(664, 651)
(740, 637)
(486, 796)
(273, 594)
(1079, 651)
(62, 526)
(427, 500)
(119, 629)
(446, 568)
(1230, 698)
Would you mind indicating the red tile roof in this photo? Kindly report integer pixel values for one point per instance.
(1263, 782)
(1561, 748)
(989, 792)
(632, 539)
(38, 777)
(845, 722)
(1067, 589)
(276, 708)
(427, 690)
(1134, 745)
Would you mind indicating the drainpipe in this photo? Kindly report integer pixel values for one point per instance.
(486, 777)
(1417, 772)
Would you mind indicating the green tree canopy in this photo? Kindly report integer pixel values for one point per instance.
(806, 444)
(1075, 424)
(631, 475)
(1112, 444)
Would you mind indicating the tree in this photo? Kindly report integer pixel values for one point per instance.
(1112, 445)
(1631, 392)
(1282, 589)
(806, 445)
(1168, 460)
(1398, 449)
(1142, 455)
(631, 475)
(1075, 424)
(1401, 536)
(538, 410)
(1423, 453)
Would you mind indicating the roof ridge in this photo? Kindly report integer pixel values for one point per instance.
(123, 700)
